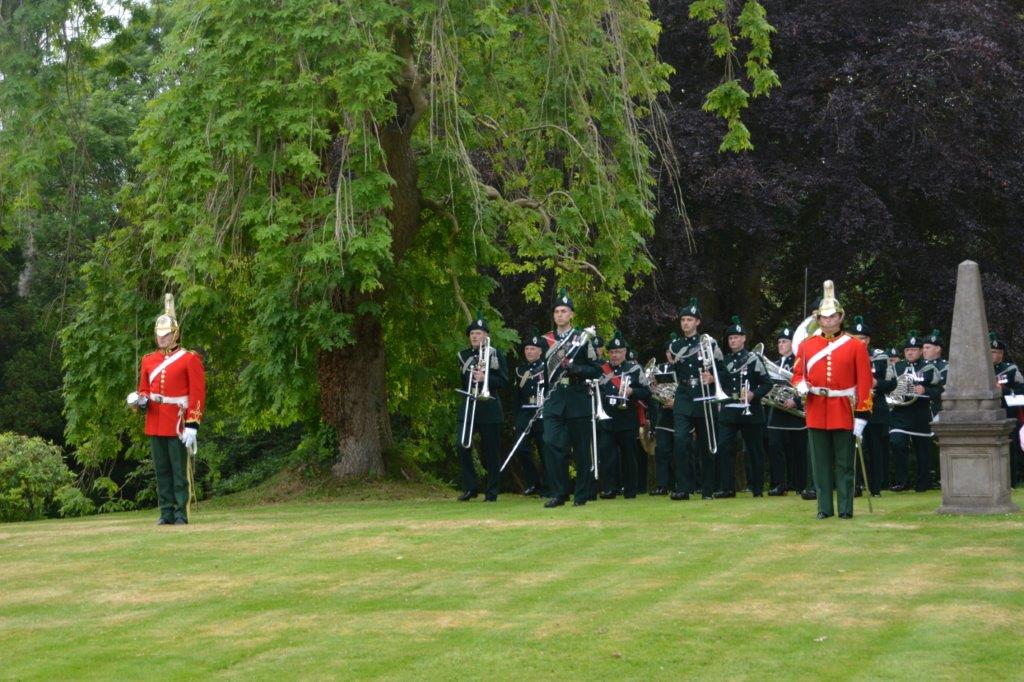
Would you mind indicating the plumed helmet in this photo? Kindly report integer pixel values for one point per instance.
(168, 322)
(829, 304)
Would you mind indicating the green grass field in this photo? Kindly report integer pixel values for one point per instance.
(434, 589)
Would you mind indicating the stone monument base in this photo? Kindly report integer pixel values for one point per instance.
(975, 465)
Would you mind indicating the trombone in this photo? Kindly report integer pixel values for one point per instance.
(706, 357)
(475, 391)
(597, 414)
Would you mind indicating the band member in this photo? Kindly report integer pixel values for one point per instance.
(787, 430)
(745, 381)
(833, 374)
(645, 438)
(694, 407)
(567, 411)
(483, 370)
(1010, 381)
(664, 434)
(876, 433)
(623, 387)
(172, 392)
(931, 351)
(530, 385)
(911, 418)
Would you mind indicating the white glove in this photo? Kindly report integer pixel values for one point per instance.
(188, 437)
(1021, 433)
(136, 400)
(803, 389)
(858, 427)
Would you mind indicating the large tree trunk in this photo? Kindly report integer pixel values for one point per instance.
(353, 380)
(354, 400)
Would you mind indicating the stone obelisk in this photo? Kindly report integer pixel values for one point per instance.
(973, 431)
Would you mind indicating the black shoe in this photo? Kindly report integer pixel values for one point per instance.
(722, 494)
(706, 497)
(163, 522)
(658, 491)
(531, 491)
(679, 496)
(777, 491)
(180, 521)
(579, 503)
(898, 487)
(809, 495)
(467, 496)
(608, 495)
(488, 498)
(554, 502)
(844, 515)
(758, 494)
(823, 515)
(876, 494)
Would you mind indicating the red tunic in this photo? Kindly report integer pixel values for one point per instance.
(848, 366)
(183, 377)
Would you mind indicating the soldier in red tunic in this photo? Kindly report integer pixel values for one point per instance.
(833, 374)
(172, 392)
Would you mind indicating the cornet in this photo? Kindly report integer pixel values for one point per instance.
(620, 399)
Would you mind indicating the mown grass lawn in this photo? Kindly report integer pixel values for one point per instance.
(436, 589)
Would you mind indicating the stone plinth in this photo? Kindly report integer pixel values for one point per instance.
(975, 465)
(973, 431)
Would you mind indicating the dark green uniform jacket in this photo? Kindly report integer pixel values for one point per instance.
(1014, 383)
(529, 390)
(780, 419)
(487, 411)
(743, 367)
(885, 377)
(915, 419)
(624, 416)
(688, 367)
(569, 397)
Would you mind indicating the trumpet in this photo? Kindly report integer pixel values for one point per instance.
(706, 357)
(475, 391)
(597, 414)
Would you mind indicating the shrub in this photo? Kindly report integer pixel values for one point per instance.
(31, 472)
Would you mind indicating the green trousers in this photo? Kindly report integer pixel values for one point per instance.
(170, 461)
(832, 466)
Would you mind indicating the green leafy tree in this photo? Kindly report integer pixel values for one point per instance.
(74, 83)
(331, 187)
